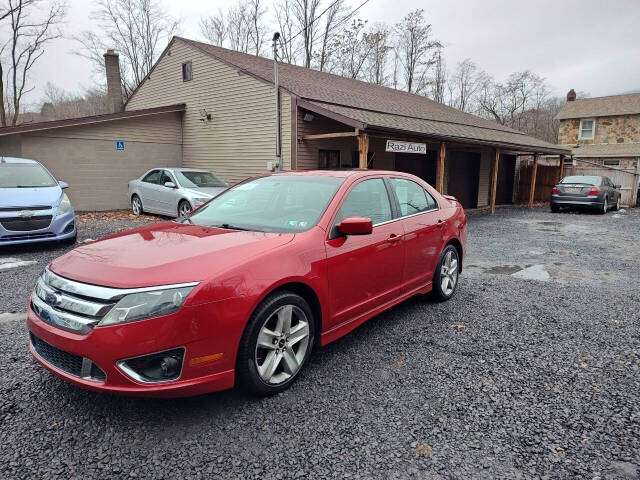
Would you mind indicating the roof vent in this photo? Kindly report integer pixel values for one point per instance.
(571, 96)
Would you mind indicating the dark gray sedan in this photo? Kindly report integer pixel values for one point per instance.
(591, 191)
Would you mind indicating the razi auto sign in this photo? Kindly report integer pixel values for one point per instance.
(406, 147)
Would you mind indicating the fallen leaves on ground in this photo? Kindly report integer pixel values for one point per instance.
(458, 326)
(421, 449)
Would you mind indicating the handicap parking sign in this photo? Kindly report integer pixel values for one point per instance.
(120, 145)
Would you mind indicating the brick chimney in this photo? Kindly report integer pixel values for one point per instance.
(571, 96)
(114, 87)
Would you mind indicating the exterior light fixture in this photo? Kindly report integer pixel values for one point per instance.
(308, 117)
(205, 116)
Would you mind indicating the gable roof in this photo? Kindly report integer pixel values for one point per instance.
(72, 122)
(627, 104)
(601, 150)
(402, 111)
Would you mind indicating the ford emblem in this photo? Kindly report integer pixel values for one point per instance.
(52, 299)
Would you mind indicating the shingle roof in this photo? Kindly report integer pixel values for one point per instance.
(72, 122)
(627, 104)
(607, 150)
(405, 111)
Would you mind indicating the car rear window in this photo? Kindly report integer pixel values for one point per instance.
(585, 179)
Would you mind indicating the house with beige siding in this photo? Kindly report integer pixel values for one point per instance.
(603, 134)
(227, 124)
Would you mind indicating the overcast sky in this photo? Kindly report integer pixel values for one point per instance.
(589, 45)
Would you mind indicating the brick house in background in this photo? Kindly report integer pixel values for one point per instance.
(603, 134)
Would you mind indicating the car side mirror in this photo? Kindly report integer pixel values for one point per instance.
(355, 226)
(617, 187)
(63, 185)
(169, 184)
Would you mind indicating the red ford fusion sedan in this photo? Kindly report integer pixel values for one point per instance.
(241, 290)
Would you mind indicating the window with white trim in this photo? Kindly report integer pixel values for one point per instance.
(587, 128)
(611, 163)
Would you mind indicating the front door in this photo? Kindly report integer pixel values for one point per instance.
(364, 271)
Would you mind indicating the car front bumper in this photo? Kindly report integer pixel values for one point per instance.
(105, 346)
(62, 227)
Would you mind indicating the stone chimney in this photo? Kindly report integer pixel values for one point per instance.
(571, 96)
(48, 111)
(114, 87)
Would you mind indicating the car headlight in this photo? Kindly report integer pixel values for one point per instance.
(201, 200)
(143, 305)
(65, 205)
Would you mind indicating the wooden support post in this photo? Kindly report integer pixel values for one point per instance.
(363, 149)
(493, 181)
(442, 153)
(534, 172)
(561, 167)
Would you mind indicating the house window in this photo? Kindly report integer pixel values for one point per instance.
(611, 163)
(587, 126)
(329, 159)
(186, 71)
(568, 161)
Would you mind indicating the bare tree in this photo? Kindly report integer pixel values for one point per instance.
(257, 29)
(32, 24)
(71, 105)
(137, 29)
(376, 63)
(238, 27)
(304, 12)
(214, 28)
(440, 77)
(287, 29)
(333, 17)
(465, 83)
(352, 50)
(415, 50)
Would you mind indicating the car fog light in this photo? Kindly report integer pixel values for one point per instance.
(156, 367)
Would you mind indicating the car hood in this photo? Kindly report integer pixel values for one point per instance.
(30, 197)
(162, 254)
(208, 191)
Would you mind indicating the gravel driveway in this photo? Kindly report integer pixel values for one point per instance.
(531, 371)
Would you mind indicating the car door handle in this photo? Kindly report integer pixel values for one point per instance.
(440, 223)
(394, 238)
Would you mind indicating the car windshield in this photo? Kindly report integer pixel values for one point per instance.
(191, 179)
(585, 179)
(21, 175)
(278, 203)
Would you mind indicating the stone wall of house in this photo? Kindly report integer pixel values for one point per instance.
(623, 162)
(615, 129)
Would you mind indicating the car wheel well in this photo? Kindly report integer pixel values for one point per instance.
(306, 292)
(458, 246)
(135, 195)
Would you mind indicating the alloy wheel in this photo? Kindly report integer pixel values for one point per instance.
(136, 206)
(282, 344)
(618, 204)
(606, 205)
(184, 209)
(449, 273)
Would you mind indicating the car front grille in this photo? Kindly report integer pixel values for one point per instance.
(26, 236)
(26, 224)
(21, 209)
(75, 365)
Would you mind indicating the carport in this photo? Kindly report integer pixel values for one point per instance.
(473, 159)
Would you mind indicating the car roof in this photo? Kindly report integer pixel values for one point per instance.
(16, 160)
(342, 173)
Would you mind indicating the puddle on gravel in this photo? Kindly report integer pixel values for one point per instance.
(527, 272)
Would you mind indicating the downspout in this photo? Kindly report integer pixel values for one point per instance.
(278, 159)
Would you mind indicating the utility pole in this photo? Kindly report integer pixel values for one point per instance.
(278, 159)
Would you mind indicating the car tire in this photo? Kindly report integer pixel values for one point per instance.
(184, 208)
(555, 208)
(445, 284)
(605, 206)
(616, 207)
(136, 205)
(268, 360)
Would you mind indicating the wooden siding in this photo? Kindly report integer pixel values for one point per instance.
(87, 159)
(240, 139)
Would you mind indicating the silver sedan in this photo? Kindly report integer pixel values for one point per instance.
(173, 191)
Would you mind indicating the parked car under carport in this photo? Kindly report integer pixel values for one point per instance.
(586, 191)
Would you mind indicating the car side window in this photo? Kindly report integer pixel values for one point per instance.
(153, 177)
(412, 197)
(166, 177)
(367, 199)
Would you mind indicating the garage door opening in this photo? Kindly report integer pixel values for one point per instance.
(506, 176)
(423, 166)
(463, 173)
